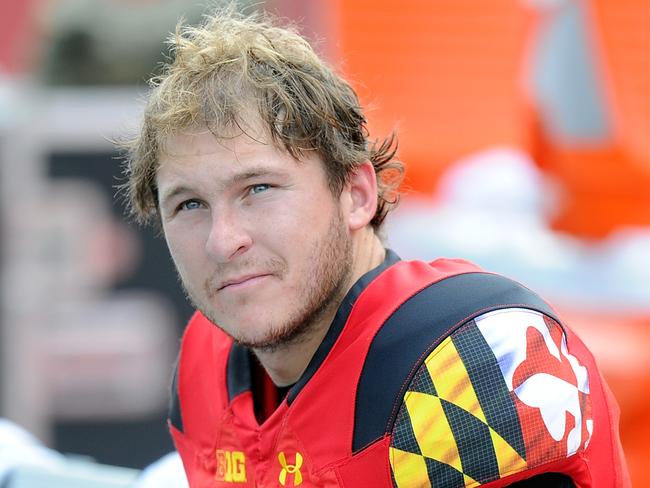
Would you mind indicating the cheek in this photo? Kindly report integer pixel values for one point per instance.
(302, 222)
(185, 249)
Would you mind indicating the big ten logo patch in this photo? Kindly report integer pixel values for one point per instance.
(231, 466)
(287, 469)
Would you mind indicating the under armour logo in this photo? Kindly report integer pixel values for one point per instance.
(293, 469)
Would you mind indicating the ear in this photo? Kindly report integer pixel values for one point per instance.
(361, 196)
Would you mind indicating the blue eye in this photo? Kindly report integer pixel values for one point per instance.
(259, 188)
(190, 205)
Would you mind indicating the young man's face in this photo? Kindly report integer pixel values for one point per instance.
(258, 239)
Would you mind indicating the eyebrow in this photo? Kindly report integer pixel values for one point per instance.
(169, 195)
(250, 173)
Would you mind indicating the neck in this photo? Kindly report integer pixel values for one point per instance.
(287, 363)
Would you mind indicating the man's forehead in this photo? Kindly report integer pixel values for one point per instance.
(198, 142)
(188, 154)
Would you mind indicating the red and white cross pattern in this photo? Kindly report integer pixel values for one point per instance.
(549, 386)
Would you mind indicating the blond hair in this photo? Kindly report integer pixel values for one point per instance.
(233, 63)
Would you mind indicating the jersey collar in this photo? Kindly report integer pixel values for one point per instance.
(239, 359)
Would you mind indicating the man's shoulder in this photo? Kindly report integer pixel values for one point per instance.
(460, 374)
(447, 294)
(420, 323)
(502, 394)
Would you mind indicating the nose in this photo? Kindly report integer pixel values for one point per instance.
(228, 236)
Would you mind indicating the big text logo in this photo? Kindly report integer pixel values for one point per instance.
(231, 466)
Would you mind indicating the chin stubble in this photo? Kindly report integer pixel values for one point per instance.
(324, 290)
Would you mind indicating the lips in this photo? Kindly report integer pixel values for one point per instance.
(240, 280)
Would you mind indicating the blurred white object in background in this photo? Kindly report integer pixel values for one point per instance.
(26, 463)
(493, 209)
(167, 472)
(501, 180)
(18, 448)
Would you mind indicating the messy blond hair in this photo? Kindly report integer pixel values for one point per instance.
(233, 63)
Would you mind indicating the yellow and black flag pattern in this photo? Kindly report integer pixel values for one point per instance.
(458, 425)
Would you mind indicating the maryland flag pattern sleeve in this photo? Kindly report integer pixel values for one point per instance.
(501, 395)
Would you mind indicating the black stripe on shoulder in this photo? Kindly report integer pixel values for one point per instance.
(175, 416)
(414, 330)
(338, 323)
(239, 377)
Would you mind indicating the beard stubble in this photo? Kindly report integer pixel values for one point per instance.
(324, 288)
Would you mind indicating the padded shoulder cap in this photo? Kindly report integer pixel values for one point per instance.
(500, 395)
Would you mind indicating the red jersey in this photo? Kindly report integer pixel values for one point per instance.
(431, 374)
